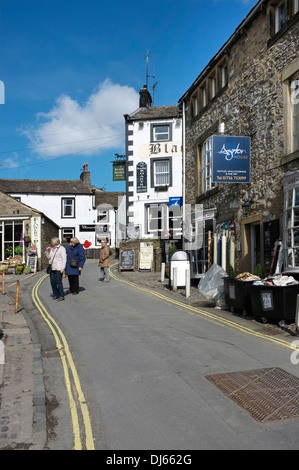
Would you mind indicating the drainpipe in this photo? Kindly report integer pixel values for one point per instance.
(183, 172)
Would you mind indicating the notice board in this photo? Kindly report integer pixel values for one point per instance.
(32, 262)
(127, 260)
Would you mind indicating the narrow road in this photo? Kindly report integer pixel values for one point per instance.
(143, 364)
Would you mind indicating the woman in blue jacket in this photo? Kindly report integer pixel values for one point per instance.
(74, 264)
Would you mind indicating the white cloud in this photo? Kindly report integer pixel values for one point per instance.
(91, 127)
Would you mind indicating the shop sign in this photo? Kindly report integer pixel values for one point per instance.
(119, 171)
(230, 159)
(87, 228)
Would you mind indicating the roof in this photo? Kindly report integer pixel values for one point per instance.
(44, 186)
(155, 112)
(108, 198)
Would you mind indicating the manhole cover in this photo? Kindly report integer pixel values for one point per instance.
(266, 394)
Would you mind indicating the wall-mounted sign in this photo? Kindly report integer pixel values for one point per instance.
(230, 159)
(87, 228)
(119, 171)
(141, 177)
(175, 201)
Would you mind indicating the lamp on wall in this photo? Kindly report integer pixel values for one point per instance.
(246, 207)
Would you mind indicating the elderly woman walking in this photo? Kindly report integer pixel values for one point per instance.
(56, 255)
(74, 264)
(104, 261)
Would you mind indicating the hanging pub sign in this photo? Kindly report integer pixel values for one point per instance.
(230, 159)
(119, 171)
(141, 177)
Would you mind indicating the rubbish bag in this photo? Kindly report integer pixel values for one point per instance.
(211, 285)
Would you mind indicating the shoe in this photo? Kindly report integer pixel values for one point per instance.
(60, 298)
(106, 280)
(75, 293)
(55, 298)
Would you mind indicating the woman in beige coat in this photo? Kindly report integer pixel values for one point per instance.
(104, 261)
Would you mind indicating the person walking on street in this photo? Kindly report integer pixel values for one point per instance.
(104, 261)
(56, 254)
(75, 261)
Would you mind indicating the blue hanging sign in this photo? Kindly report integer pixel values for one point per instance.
(230, 159)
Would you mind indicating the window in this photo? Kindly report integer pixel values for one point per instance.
(212, 87)
(161, 172)
(103, 215)
(67, 233)
(223, 75)
(296, 6)
(206, 166)
(160, 132)
(68, 207)
(13, 238)
(195, 105)
(164, 221)
(204, 96)
(295, 113)
(280, 16)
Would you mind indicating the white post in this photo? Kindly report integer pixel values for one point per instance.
(162, 272)
(187, 282)
(175, 279)
(297, 313)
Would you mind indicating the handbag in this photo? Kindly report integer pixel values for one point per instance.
(74, 263)
(49, 267)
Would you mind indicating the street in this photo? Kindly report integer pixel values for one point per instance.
(143, 362)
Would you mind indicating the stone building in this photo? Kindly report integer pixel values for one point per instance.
(24, 229)
(250, 89)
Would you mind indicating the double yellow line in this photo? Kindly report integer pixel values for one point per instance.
(204, 313)
(78, 405)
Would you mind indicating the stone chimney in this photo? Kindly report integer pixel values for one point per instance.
(145, 99)
(85, 176)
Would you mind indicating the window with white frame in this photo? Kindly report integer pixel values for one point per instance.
(68, 207)
(295, 113)
(223, 75)
(161, 172)
(206, 166)
(280, 15)
(291, 226)
(160, 132)
(68, 233)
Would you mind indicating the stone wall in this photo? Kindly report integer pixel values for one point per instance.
(252, 104)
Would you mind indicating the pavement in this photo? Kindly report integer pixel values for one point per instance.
(23, 417)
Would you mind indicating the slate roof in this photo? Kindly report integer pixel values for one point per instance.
(43, 186)
(110, 198)
(155, 112)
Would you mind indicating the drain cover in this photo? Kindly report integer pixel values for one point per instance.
(266, 394)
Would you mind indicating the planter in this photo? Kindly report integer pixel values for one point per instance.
(274, 302)
(237, 294)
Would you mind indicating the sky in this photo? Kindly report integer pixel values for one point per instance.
(71, 69)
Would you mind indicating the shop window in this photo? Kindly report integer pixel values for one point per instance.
(13, 239)
(206, 166)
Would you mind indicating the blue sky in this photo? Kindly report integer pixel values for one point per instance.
(72, 69)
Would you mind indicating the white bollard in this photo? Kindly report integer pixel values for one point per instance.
(175, 279)
(162, 272)
(187, 282)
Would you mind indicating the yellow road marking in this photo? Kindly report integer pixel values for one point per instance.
(201, 312)
(68, 364)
